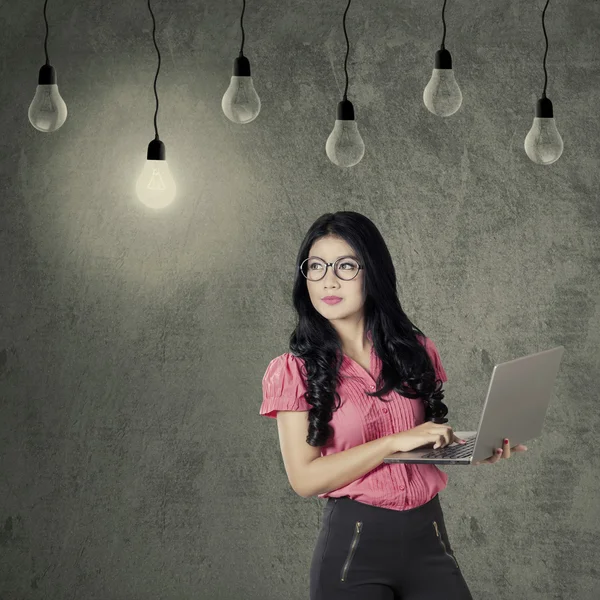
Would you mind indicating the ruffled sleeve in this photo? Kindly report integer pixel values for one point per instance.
(440, 373)
(283, 386)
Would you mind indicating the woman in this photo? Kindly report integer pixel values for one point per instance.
(361, 382)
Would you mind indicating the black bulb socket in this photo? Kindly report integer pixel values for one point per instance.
(241, 67)
(156, 150)
(345, 111)
(47, 75)
(443, 59)
(543, 108)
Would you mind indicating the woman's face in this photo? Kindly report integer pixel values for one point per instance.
(329, 249)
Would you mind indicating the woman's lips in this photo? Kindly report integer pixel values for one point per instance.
(331, 300)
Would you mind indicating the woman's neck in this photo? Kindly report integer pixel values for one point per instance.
(353, 337)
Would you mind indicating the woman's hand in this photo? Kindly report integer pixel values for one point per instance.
(503, 453)
(424, 435)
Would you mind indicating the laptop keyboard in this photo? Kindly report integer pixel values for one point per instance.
(454, 451)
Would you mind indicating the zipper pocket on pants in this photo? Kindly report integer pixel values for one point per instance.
(353, 546)
(437, 532)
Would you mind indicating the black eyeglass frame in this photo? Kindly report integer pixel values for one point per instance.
(332, 265)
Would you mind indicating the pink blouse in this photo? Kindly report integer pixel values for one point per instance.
(360, 419)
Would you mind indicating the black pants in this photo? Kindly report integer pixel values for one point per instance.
(366, 552)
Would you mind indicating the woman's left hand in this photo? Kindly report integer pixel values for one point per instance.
(503, 453)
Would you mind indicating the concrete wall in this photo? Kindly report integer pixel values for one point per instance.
(134, 463)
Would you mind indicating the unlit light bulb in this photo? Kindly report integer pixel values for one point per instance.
(240, 102)
(155, 186)
(47, 111)
(441, 95)
(345, 146)
(543, 143)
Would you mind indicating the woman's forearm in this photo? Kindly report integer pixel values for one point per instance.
(328, 473)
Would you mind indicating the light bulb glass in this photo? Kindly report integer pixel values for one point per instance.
(240, 102)
(345, 146)
(441, 95)
(155, 186)
(543, 143)
(47, 111)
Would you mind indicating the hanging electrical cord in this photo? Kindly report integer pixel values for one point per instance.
(242, 27)
(47, 111)
(444, 23)
(155, 186)
(46, 38)
(546, 52)
(157, 68)
(543, 143)
(347, 51)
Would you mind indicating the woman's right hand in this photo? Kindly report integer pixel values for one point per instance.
(427, 433)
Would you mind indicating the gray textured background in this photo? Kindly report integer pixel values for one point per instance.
(134, 464)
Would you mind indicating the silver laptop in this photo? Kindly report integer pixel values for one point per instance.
(515, 407)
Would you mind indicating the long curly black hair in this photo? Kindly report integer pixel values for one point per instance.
(406, 365)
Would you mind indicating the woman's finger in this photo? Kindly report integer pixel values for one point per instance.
(495, 457)
(519, 448)
(441, 441)
(500, 453)
(448, 436)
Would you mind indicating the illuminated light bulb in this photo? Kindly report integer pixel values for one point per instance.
(543, 143)
(47, 111)
(441, 95)
(240, 102)
(345, 146)
(155, 186)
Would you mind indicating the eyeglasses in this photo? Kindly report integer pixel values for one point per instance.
(314, 269)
